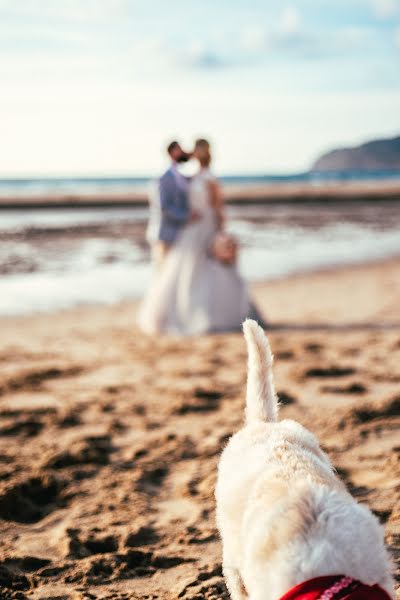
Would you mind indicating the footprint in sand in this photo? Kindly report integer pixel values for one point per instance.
(148, 562)
(152, 477)
(26, 423)
(202, 401)
(12, 583)
(35, 379)
(352, 388)
(197, 536)
(284, 355)
(313, 347)
(334, 371)
(208, 585)
(69, 419)
(144, 536)
(15, 575)
(134, 563)
(31, 500)
(91, 450)
(82, 546)
(26, 427)
(286, 399)
(369, 413)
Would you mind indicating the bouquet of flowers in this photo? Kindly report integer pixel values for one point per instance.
(225, 248)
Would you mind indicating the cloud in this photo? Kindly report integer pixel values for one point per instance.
(199, 55)
(289, 37)
(291, 21)
(386, 9)
(284, 36)
(65, 10)
(146, 45)
(353, 38)
(60, 27)
(93, 63)
(397, 37)
(254, 39)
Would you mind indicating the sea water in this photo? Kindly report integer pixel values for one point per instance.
(55, 259)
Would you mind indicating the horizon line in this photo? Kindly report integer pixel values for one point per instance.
(88, 177)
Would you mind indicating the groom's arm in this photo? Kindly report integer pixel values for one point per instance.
(169, 207)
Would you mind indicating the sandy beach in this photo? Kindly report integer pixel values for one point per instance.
(109, 440)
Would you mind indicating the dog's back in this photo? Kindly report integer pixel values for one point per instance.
(283, 514)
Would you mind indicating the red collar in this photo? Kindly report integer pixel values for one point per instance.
(335, 587)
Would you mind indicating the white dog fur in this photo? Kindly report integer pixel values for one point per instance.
(283, 514)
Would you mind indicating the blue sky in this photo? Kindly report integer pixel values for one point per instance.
(99, 86)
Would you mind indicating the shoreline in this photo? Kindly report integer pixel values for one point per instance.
(289, 193)
(259, 288)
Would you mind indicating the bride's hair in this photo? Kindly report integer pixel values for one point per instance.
(202, 152)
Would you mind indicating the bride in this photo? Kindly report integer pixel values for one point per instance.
(198, 289)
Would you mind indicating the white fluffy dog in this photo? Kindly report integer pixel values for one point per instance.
(283, 514)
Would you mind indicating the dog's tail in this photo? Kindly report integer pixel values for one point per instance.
(261, 399)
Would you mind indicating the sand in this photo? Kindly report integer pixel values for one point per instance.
(109, 441)
(292, 192)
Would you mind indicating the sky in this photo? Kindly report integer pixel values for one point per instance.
(98, 87)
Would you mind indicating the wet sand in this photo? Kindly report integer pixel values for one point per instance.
(295, 193)
(109, 441)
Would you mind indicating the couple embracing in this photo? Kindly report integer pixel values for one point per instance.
(196, 286)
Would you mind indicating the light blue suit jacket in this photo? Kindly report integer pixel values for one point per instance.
(174, 207)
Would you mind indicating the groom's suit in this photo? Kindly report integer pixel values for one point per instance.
(169, 212)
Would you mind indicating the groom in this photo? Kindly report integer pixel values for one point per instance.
(170, 210)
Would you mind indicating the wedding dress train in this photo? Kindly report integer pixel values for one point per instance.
(193, 293)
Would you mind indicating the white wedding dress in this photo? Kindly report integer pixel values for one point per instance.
(192, 293)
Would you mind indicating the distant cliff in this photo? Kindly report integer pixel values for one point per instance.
(375, 155)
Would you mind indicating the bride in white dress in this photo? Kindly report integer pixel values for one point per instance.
(193, 292)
